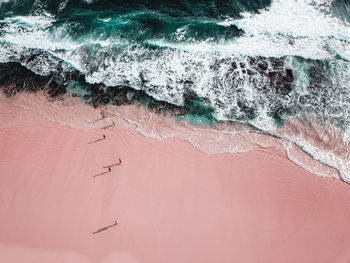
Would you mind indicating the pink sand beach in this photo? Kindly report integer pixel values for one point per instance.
(173, 202)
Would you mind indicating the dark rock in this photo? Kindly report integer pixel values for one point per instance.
(16, 78)
(55, 89)
(289, 73)
(105, 100)
(253, 60)
(81, 78)
(234, 65)
(263, 65)
(287, 79)
(250, 72)
(277, 63)
(286, 89)
(272, 74)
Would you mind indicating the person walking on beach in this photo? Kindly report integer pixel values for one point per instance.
(109, 169)
(116, 222)
(120, 161)
(104, 136)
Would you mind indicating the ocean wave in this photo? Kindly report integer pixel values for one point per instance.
(324, 142)
(222, 74)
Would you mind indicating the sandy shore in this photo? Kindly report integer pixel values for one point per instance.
(173, 202)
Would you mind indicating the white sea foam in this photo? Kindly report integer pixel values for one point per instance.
(32, 32)
(89, 1)
(286, 28)
(327, 157)
(325, 143)
(292, 27)
(294, 18)
(4, 2)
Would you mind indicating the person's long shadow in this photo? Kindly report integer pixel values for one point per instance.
(103, 229)
(112, 165)
(102, 173)
(96, 141)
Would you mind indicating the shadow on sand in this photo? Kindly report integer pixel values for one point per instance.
(96, 141)
(112, 165)
(103, 229)
(102, 173)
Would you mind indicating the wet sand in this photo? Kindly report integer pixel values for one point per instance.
(173, 202)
